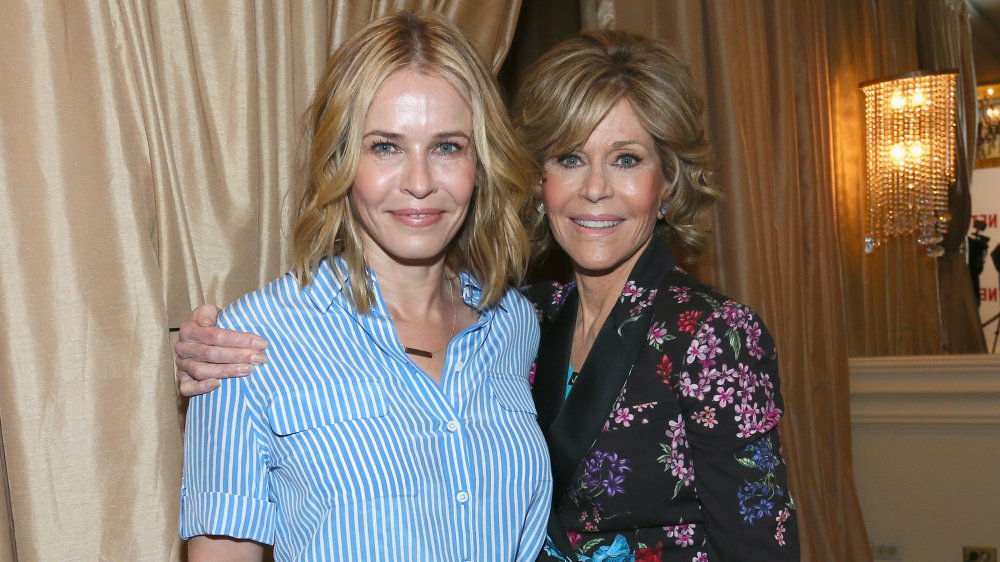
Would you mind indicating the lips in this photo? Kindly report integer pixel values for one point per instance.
(417, 217)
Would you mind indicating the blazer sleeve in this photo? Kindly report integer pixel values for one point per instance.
(731, 401)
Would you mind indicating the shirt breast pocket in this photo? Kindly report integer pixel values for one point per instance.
(326, 403)
(512, 393)
(341, 439)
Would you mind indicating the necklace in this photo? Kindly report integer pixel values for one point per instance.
(454, 320)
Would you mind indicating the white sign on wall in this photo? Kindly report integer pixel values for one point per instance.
(985, 193)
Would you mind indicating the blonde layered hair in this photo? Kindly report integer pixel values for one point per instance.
(493, 244)
(569, 90)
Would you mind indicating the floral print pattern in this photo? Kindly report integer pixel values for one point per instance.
(691, 431)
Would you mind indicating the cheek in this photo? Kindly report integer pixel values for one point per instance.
(556, 189)
(461, 182)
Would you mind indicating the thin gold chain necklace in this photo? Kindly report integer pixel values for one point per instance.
(454, 320)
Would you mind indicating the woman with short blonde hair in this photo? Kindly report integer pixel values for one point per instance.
(659, 397)
(562, 101)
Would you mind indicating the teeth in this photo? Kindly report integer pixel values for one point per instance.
(596, 224)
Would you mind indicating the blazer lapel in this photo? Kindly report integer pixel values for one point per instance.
(587, 407)
(571, 424)
(549, 390)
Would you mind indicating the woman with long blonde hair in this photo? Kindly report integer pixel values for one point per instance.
(394, 415)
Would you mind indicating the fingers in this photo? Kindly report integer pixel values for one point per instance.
(190, 387)
(200, 370)
(191, 331)
(208, 353)
(205, 315)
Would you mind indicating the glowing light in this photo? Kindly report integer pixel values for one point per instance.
(910, 139)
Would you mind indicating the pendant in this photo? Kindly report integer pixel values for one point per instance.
(418, 352)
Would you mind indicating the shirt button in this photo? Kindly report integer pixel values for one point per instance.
(452, 426)
(459, 365)
(462, 497)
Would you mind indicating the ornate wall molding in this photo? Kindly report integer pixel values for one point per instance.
(945, 391)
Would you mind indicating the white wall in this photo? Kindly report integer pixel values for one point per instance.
(926, 434)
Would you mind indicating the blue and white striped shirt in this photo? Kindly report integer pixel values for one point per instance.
(340, 448)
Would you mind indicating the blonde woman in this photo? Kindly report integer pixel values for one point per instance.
(393, 419)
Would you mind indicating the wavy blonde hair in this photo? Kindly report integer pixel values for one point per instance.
(493, 244)
(569, 90)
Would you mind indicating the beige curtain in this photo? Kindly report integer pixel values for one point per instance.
(145, 153)
(764, 66)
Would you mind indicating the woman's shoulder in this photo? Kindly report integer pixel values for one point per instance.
(548, 297)
(686, 294)
(260, 308)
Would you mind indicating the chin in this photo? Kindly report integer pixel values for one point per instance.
(410, 256)
(599, 266)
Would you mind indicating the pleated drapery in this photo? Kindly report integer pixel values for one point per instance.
(147, 154)
(764, 68)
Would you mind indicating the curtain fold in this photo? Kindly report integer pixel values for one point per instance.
(764, 66)
(871, 40)
(946, 42)
(146, 154)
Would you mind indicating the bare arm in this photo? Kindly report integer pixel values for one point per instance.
(204, 354)
(217, 548)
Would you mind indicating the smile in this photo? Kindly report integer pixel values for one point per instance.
(597, 223)
(418, 217)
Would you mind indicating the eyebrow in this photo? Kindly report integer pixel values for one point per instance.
(620, 144)
(397, 136)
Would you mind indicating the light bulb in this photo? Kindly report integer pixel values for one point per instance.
(898, 152)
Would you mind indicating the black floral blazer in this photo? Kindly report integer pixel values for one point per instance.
(665, 449)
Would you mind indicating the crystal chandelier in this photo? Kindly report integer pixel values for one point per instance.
(910, 140)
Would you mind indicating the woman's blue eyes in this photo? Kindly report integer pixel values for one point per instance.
(446, 148)
(569, 160)
(623, 161)
(449, 148)
(383, 147)
(627, 161)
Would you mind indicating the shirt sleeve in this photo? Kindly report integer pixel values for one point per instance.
(730, 396)
(225, 483)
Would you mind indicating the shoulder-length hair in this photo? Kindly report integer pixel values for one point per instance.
(569, 90)
(493, 244)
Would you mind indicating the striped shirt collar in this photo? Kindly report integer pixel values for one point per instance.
(325, 288)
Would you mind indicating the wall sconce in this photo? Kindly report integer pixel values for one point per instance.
(910, 141)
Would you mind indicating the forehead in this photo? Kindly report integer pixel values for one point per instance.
(419, 97)
(620, 124)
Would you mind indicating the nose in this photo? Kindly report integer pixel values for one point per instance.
(417, 180)
(596, 187)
